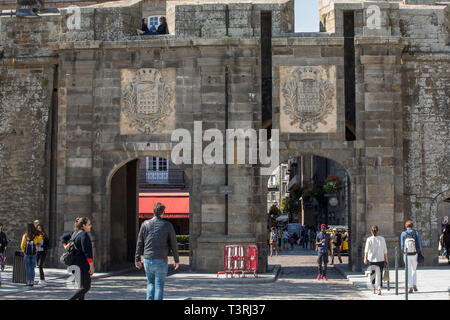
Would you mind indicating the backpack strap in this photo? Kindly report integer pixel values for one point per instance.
(73, 237)
(415, 237)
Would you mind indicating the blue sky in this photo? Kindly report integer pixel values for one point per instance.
(306, 15)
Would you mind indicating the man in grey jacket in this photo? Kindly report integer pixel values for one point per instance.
(155, 239)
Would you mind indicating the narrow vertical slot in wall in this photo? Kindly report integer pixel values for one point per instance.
(51, 145)
(227, 102)
(349, 75)
(266, 71)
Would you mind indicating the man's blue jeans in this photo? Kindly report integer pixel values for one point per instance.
(322, 259)
(30, 264)
(156, 272)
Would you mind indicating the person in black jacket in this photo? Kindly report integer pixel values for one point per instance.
(83, 256)
(3, 240)
(144, 25)
(446, 242)
(162, 28)
(3, 245)
(42, 252)
(155, 239)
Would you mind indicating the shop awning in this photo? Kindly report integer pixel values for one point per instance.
(177, 204)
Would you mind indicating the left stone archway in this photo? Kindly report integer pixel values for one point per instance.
(115, 207)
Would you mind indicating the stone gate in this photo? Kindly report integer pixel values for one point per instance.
(79, 106)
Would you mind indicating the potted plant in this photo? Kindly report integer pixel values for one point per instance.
(333, 185)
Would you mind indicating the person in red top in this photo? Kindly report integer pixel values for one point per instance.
(84, 255)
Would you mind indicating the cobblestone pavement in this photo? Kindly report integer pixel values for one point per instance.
(296, 281)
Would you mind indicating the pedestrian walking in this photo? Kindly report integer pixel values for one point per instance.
(42, 250)
(446, 242)
(295, 235)
(302, 232)
(286, 237)
(323, 244)
(337, 245)
(305, 239)
(292, 242)
(375, 254)
(273, 241)
(280, 237)
(155, 239)
(29, 245)
(312, 238)
(83, 255)
(411, 247)
(3, 245)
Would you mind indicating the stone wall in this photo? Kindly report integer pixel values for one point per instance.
(25, 107)
(426, 96)
(398, 164)
(427, 138)
(229, 18)
(26, 90)
(90, 111)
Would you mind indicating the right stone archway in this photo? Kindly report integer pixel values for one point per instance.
(372, 198)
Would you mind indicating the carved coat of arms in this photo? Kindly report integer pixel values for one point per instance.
(147, 100)
(308, 97)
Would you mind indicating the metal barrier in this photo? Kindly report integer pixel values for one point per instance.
(19, 275)
(240, 260)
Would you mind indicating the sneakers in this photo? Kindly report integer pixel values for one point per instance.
(318, 277)
(410, 290)
(324, 278)
(415, 288)
(42, 283)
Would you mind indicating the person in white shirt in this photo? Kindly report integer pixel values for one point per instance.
(375, 253)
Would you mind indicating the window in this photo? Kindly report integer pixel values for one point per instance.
(273, 196)
(157, 164)
(153, 22)
(284, 170)
(162, 164)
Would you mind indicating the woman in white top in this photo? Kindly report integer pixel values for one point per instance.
(375, 253)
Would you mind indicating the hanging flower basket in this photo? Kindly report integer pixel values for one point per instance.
(333, 185)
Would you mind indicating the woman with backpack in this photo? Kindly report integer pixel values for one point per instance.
(446, 242)
(411, 247)
(29, 245)
(42, 253)
(83, 254)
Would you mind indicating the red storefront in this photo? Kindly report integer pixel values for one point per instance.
(177, 208)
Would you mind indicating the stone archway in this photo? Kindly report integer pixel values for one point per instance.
(437, 212)
(118, 201)
(355, 234)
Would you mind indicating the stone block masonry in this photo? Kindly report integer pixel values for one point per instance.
(61, 100)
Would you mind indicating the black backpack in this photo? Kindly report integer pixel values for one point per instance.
(30, 247)
(68, 256)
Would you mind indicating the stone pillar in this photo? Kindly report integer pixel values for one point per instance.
(383, 131)
(240, 217)
(75, 118)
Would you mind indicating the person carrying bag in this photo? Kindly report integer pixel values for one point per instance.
(375, 254)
